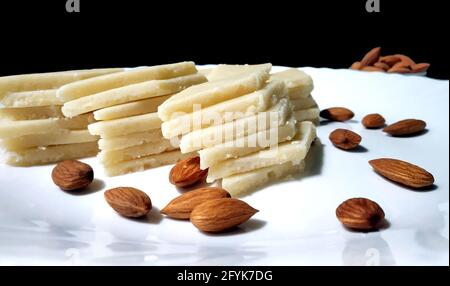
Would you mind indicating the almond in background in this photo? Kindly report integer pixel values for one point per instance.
(373, 121)
(337, 114)
(345, 139)
(402, 172)
(406, 127)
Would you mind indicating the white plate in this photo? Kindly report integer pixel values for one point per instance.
(296, 225)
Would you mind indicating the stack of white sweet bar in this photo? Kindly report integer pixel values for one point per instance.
(248, 126)
(33, 130)
(124, 105)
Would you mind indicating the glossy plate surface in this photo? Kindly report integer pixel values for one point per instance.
(296, 225)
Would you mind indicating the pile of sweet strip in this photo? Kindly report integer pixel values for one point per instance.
(124, 105)
(33, 129)
(248, 126)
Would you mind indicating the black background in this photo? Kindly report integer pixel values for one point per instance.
(41, 36)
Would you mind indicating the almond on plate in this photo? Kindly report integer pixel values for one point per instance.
(187, 172)
(182, 206)
(337, 114)
(345, 139)
(360, 214)
(71, 175)
(406, 127)
(402, 172)
(129, 202)
(373, 120)
(221, 214)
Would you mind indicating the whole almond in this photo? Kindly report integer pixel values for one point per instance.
(182, 206)
(402, 64)
(371, 57)
(372, 69)
(221, 214)
(356, 66)
(420, 67)
(373, 120)
(405, 59)
(406, 127)
(337, 114)
(187, 172)
(129, 202)
(402, 172)
(345, 139)
(390, 60)
(399, 70)
(382, 65)
(360, 214)
(71, 175)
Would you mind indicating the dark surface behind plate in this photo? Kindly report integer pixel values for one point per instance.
(41, 36)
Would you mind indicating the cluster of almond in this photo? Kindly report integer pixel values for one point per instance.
(374, 62)
(210, 209)
(362, 213)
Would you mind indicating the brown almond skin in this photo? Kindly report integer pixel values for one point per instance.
(407, 61)
(402, 172)
(371, 57)
(187, 172)
(360, 214)
(345, 139)
(381, 65)
(71, 175)
(337, 114)
(128, 202)
(399, 70)
(390, 60)
(356, 66)
(182, 206)
(373, 121)
(406, 127)
(221, 214)
(422, 67)
(372, 69)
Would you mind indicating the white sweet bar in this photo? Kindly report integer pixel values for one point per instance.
(134, 139)
(298, 83)
(43, 81)
(124, 126)
(145, 163)
(91, 86)
(247, 145)
(130, 109)
(293, 151)
(132, 92)
(214, 135)
(42, 140)
(31, 98)
(244, 183)
(305, 103)
(210, 93)
(45, 155)
(310, 114)
(30, 113)
(226, 71)
(226, 111)
(135, 152)
(10, 129)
